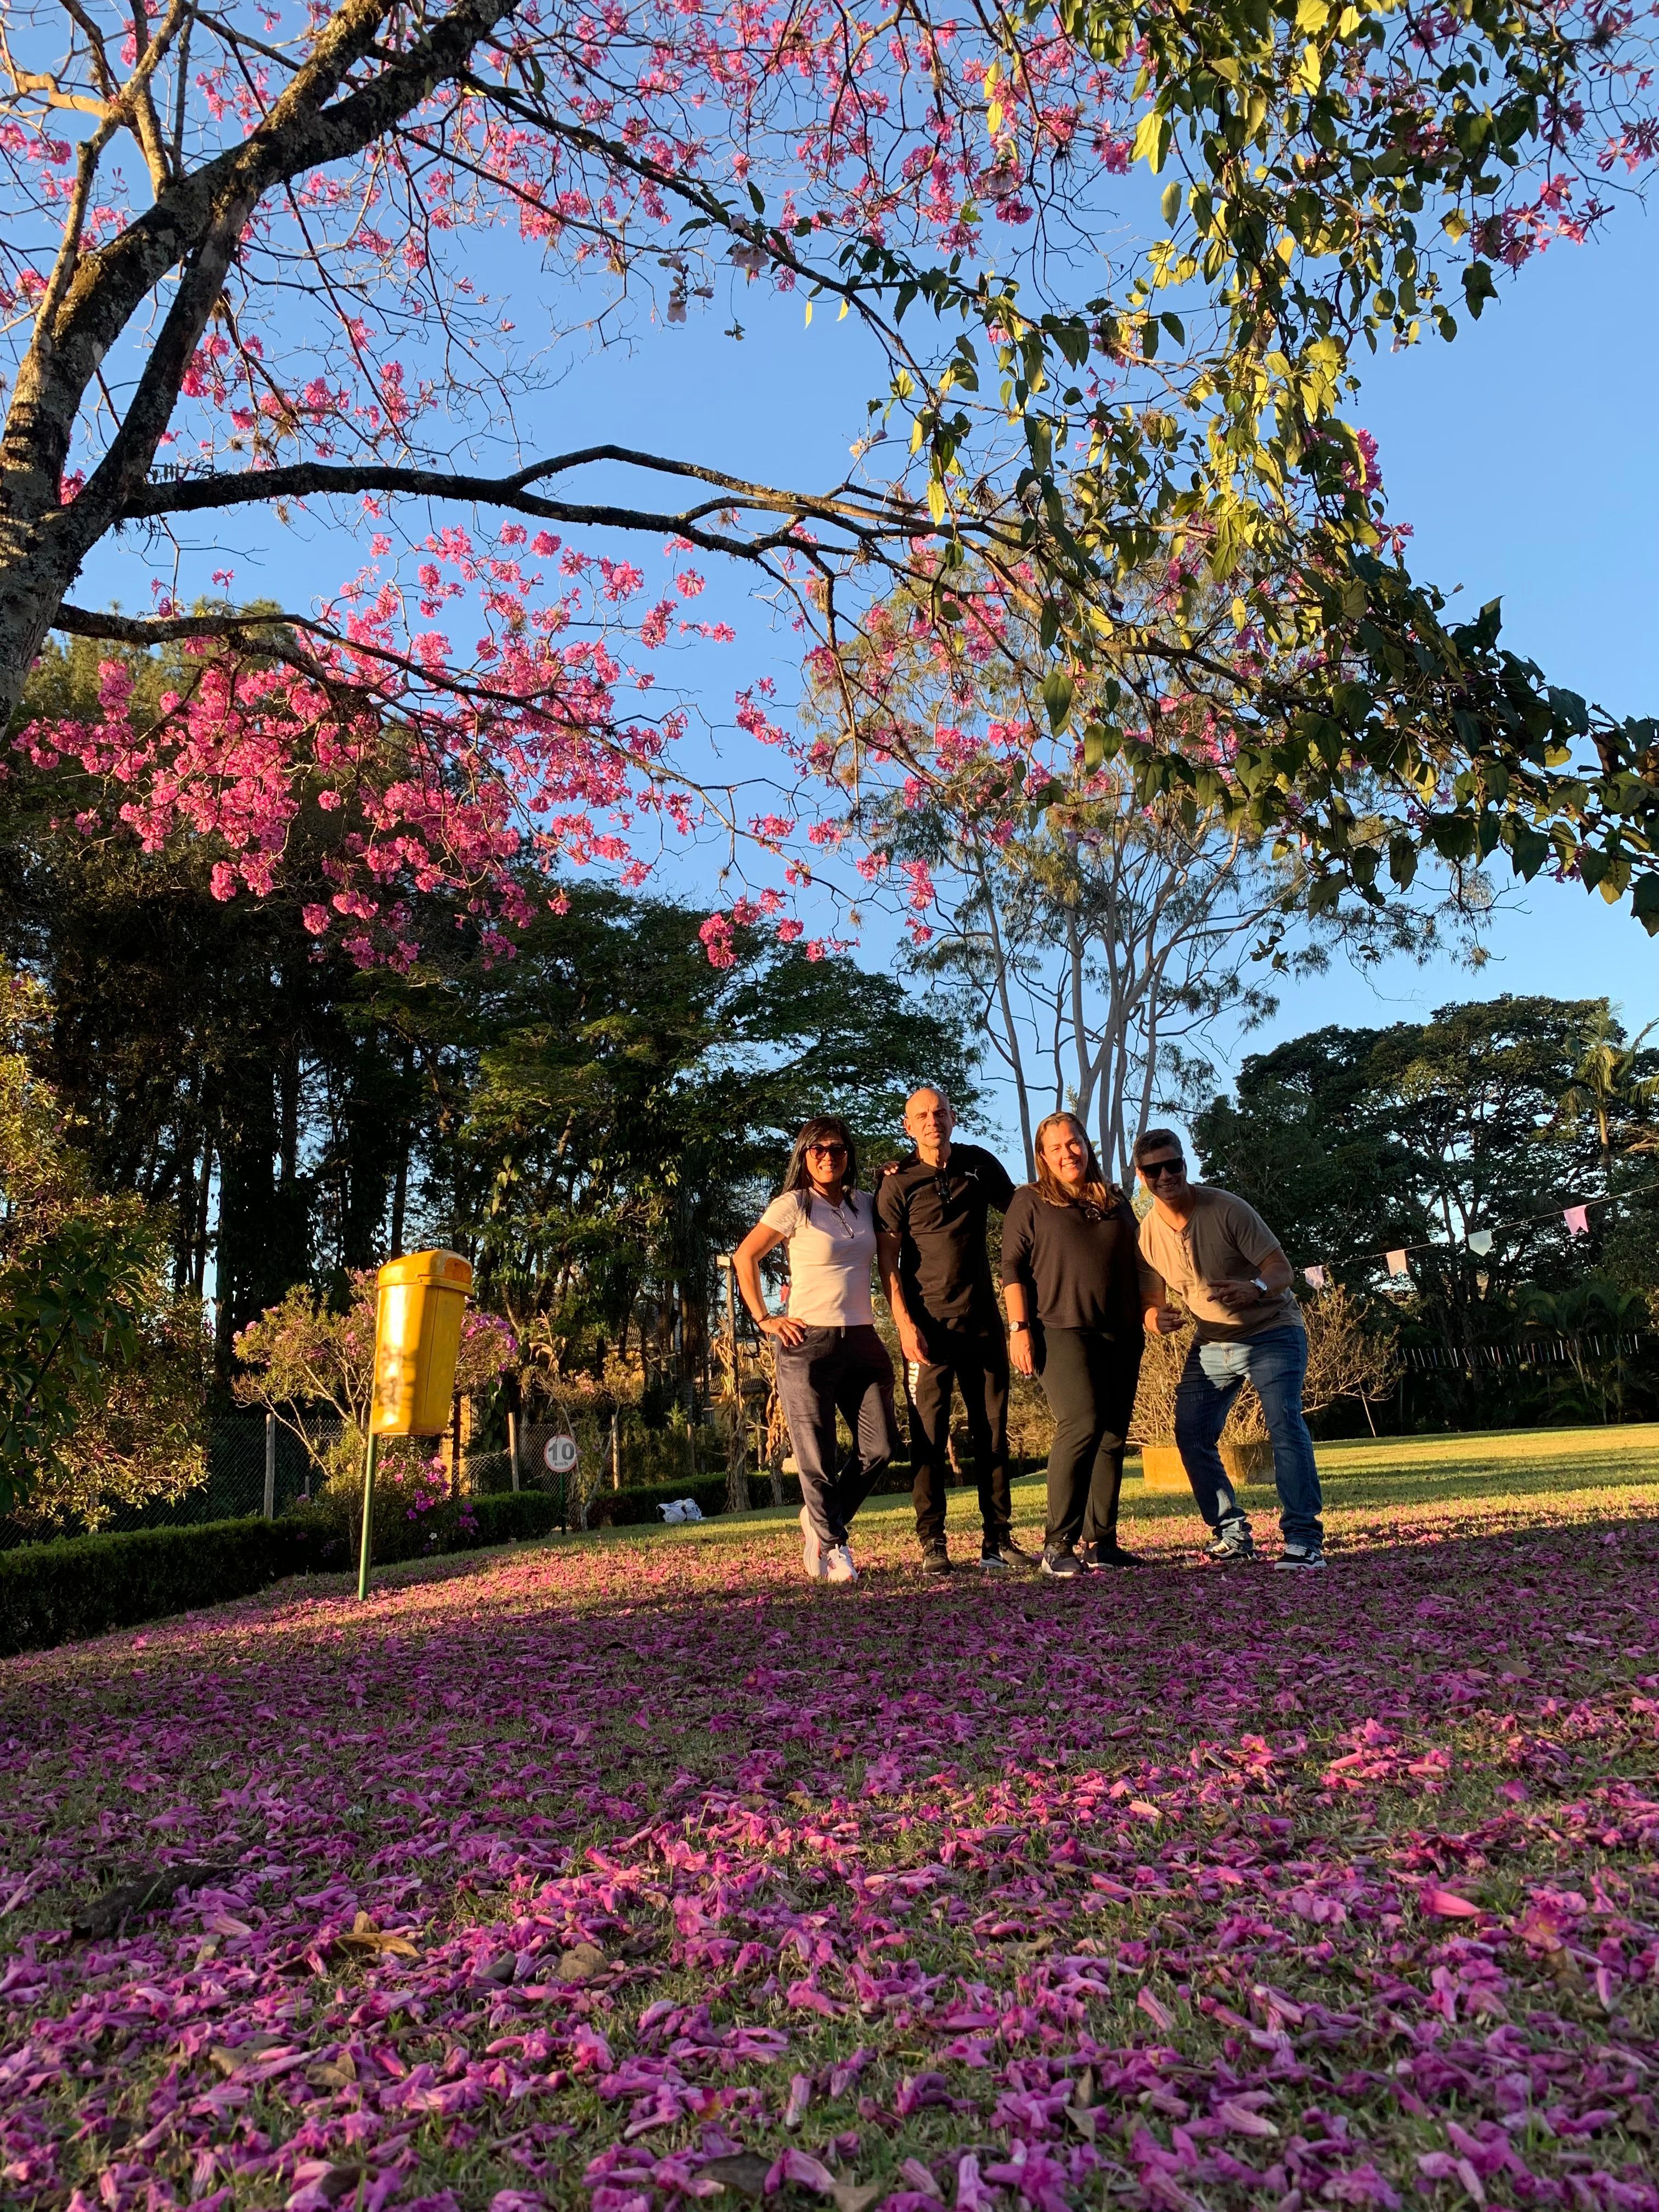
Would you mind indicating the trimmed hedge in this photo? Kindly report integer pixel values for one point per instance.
(61, 1593)
(58, 1593)
(467, 1524)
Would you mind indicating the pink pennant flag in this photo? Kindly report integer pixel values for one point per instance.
(1397, 1262)
(1315, 1278)
(1577, 1220)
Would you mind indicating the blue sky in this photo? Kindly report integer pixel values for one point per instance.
(1525, 456)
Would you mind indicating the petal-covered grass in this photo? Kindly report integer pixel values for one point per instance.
(624, 1870)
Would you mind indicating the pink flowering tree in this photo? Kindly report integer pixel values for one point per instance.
(240, 258)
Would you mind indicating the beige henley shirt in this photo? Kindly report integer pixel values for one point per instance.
(1223, 1240)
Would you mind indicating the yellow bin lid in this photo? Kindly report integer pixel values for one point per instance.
(448, 1269)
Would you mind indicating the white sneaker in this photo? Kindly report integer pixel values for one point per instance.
(838, 1566)
(812, 1552)
(1298, 1558)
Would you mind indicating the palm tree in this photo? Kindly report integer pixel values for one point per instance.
(1606, 1082)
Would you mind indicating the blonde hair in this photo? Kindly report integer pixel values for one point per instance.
(1095, 1190)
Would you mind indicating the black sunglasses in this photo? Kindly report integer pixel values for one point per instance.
(828, 1152)
(1154, 1169)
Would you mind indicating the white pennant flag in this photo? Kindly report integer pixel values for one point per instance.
(1480, 1241)
(1315, 1278)
(1397, 1262)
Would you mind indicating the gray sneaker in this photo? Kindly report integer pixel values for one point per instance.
(1060, 1561)
(1299, 1556)
(1234, 1546)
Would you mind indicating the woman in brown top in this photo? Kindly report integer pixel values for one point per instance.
(1070, 1281)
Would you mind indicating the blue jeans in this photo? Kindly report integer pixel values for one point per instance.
(1276, 1362)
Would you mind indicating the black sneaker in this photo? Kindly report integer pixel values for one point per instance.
(936, 1557)
(1097, 1557)
(998, 1554)
(1061, 1561)
(1300, 1557)
(1234, 1546)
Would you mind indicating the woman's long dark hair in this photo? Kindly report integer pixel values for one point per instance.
(1097, 1192)
(821, 1125)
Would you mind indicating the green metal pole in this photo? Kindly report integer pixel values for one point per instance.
(372, 1454)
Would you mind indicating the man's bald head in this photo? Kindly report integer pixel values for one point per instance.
(928, 1122)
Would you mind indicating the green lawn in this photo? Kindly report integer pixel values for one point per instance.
(1357, 1475)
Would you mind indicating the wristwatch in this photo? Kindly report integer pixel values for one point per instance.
(1019, 1329)
(1262, 1287)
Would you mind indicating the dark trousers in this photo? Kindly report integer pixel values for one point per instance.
(1090, 1382)
(976, 1361)
(846, 1372)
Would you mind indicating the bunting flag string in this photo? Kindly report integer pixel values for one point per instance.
(1317, 1273)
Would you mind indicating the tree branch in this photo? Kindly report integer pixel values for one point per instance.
(844, 506)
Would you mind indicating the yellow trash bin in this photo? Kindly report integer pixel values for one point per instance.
(417, 1337)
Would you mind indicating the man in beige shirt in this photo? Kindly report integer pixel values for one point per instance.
(1220, 1258)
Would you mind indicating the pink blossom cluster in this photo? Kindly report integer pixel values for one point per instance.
(563, 1877)
(438, 777)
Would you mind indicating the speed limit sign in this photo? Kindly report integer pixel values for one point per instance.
(560, 1455)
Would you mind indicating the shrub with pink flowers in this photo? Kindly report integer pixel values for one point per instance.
(631, 1871)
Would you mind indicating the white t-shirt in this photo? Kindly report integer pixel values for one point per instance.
(831, 1251)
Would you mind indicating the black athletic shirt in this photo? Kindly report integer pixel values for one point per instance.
(1077, 1273)
(938, 1216)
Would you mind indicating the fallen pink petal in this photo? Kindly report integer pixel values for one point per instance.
(634, 1873)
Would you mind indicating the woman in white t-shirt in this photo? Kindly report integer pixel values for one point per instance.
(828, 1356)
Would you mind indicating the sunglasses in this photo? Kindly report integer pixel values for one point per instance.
(1154, 1169)
(827, 1152)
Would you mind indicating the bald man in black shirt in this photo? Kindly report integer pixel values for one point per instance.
(930, 1212)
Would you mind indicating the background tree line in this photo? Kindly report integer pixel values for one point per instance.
(1355, 1142)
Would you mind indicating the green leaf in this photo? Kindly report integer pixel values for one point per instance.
(1170, 205)
(1528, 850)
(1058, 693)
(1153, 139)
(1478, 287)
